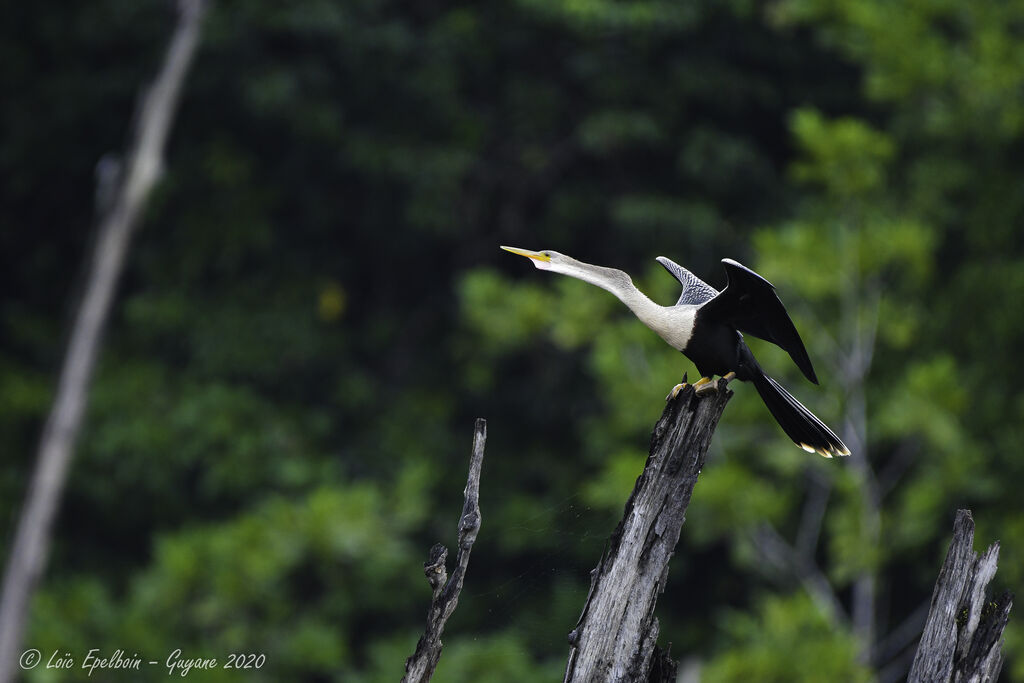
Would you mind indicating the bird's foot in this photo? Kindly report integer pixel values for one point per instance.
(704, 386)
(677, 388)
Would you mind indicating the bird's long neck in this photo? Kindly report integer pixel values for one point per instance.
(643, 308)
(621, 285)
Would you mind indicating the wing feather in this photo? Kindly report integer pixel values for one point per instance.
(749, 303)
(695, 290)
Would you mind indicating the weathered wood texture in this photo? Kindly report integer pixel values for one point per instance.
(962, 639)
(420, 666)
(615, 638)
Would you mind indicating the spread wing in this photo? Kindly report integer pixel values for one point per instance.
(695, 290)
(749, 303)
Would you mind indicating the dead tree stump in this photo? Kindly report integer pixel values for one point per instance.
(615, 638)
(963, 633)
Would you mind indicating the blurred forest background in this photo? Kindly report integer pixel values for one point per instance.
(316, 309)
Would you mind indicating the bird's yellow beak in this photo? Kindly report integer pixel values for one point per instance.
(528, 254)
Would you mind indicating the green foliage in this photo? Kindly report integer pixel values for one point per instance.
(259, 578)
(964, 61)
(589, 16)
(845, 157)
(606, 131)
(722, 513)
(786, 639)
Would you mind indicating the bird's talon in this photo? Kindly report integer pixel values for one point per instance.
(707, 388)
(704, 386)
(675, 391)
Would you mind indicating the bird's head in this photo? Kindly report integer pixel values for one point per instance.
(544, 260)
(615, 281)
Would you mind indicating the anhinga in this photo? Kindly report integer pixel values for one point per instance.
(707, 326)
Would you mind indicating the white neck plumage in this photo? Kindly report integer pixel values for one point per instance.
(674, 324)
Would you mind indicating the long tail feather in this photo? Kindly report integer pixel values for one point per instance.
(799, 423)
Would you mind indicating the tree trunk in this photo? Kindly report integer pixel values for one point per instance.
(31, 540)
(963, 633)
(615, 638)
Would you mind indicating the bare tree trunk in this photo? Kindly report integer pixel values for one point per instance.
(31, 541)
(615, 638)
(420, 666)
(860, 300)
(963, 633)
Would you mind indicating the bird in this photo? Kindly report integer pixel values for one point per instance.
(707, 326)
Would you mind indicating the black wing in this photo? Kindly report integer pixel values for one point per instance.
(749, 303)
(695, 290)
